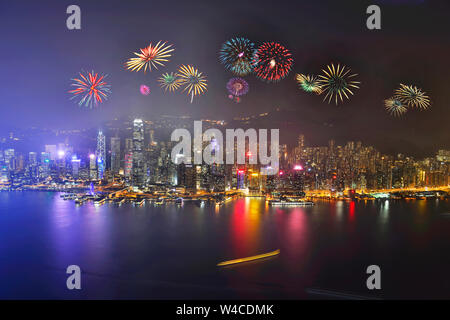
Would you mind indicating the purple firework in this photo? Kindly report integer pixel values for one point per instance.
(237, 87)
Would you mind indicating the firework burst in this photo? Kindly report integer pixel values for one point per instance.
(412, 97)
(90, 89)
(145, 90)
(395, 107)
(237, 54)
(308, 83)
(272, 62)
(169, 81)
(237, 87)
(193, 81)
(337, 82)
(151, 56)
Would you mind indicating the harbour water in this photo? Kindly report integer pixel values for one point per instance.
(171, 251)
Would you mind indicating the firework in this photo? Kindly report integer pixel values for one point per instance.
(395, 107)
(237, 87)
(237, 54)
(90, 89)
(145, 90)
(308, 83)
(412, 97)
(151, 56)
(169, 81)
(192, 80)
(337, 82)
(272, 62)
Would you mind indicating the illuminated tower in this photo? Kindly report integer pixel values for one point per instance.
(138, 169)
(44, 170)
(75, 167)
(101, 154)
(92, 167)
(115, 155)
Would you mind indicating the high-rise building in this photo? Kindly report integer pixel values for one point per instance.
(10, 160)
(101, 154)
(152, 138)
(115, 155)
(44, 171)
(33, 168)
(75, 167)
(32, 158)
(52, 151)
(138, 170)
(92, 167)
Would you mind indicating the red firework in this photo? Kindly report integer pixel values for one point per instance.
(272, 62)
(90, 89)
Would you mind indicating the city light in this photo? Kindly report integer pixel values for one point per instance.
(298, 167)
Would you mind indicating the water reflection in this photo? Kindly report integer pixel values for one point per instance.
(326, 244)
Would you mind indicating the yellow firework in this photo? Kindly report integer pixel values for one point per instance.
(412, 97)
(395, 107)
(337, 82)
(192, 80)
(169, 81)
(151, 56)
(308, 83)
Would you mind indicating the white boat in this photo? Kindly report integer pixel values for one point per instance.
(290, 203)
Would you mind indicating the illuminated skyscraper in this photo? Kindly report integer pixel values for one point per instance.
(101, 154)
(44, 171)
(32, 158)
(115, 155)
(138, 169)
(33, 168)
(10, 160)
(52, 151)
(75, 167)
(92, 167)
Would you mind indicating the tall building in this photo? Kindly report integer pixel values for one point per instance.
(75, 167)
(138, 169)
(10, 159)
(152, 138)
(32, 158)
(52, 151)
(115, 155)
(92, 167)
(101, 154)
(44, 171)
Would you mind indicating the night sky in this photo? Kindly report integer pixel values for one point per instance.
(40, 55)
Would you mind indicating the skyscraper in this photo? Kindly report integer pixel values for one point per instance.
(92, 167)
(115, 155)
(101, 154)
(10, 160)
(44, 171)
(138, 169)
(75, 167)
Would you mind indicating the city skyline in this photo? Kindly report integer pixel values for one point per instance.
(139, 159)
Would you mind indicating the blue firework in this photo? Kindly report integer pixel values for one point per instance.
(237, 54)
